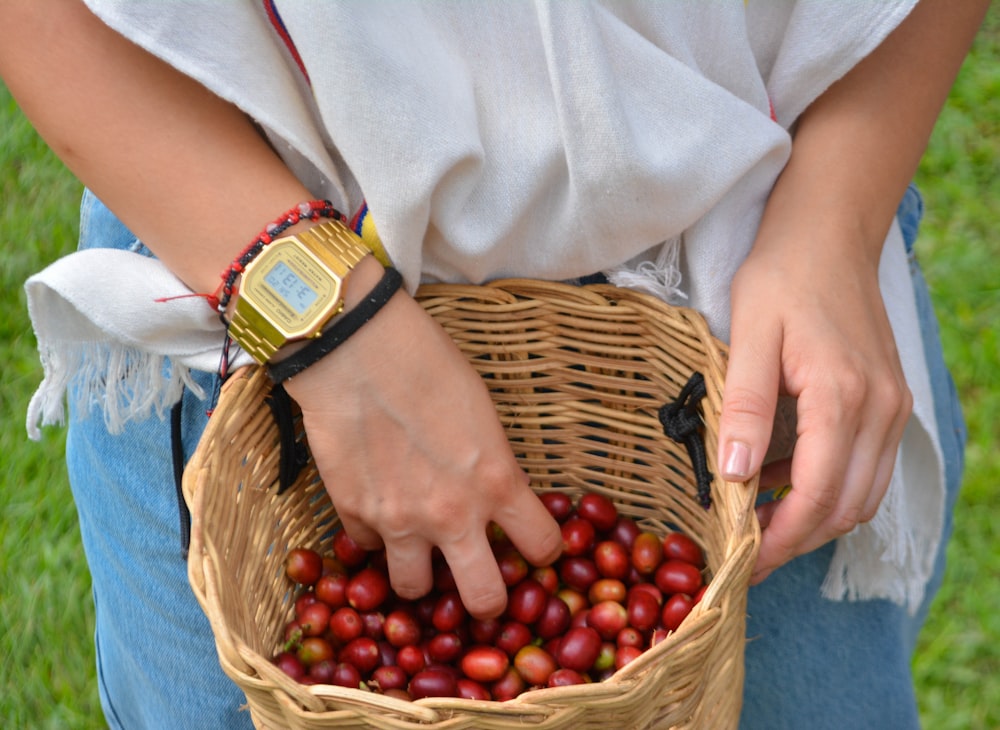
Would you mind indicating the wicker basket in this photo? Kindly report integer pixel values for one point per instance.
(578, 375)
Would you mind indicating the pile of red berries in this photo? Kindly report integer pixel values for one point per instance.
(614, 592)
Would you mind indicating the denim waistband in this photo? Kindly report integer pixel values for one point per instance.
(909, 213)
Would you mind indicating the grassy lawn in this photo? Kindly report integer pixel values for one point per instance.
(957, 667)
(47, 672)
(46, 614)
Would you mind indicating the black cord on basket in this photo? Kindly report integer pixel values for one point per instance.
(177, 451)
(292, 455)
(682, 423)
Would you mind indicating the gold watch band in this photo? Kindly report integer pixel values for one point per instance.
(261, 348)
(332, 243)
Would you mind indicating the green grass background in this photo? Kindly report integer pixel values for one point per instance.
(47, 674)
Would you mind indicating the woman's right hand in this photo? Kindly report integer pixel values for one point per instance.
(407, 440)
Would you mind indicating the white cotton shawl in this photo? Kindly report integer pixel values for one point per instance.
(542, 139)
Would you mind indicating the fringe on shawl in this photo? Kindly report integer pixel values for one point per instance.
(893, 556)
(124, 383)
(870, 562)
(660, 276)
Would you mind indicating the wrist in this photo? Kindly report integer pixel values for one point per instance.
(364, 278)
(812, 219)
(339, 331)
(293, 286)
(295, 220)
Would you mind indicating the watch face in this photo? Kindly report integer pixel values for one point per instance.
(291, 287)
(291, 290)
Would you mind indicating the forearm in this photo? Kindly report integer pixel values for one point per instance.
(185, 170)
(858, 145)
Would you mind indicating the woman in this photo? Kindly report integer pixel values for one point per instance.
(758, 152)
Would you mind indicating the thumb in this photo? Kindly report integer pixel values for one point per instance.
(750, 396)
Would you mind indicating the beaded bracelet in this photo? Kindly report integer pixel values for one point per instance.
(310, 210)
(344, 327)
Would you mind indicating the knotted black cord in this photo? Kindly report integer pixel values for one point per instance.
(682, 423)
(177, 451)
(292, 455)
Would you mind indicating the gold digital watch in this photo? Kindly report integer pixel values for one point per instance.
(294, 287)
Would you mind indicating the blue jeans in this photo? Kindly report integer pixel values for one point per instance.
(811, 663)
(156, 659)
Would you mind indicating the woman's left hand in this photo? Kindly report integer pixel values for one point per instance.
(808, 318)
(808, 321)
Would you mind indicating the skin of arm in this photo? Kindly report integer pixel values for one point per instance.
(808, 318)
(402, 428)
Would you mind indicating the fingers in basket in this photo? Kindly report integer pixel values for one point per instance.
(411, 568)
(361, 533)
(477, 577)
(531, 527)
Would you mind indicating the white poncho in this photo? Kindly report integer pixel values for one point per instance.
(544, 139)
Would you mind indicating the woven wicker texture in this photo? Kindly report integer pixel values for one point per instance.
(578, 375)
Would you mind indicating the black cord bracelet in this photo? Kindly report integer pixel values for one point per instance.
(347, 325)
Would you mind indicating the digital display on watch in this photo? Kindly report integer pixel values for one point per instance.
(290, 286)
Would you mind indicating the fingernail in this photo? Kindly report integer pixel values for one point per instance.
(737, 460)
